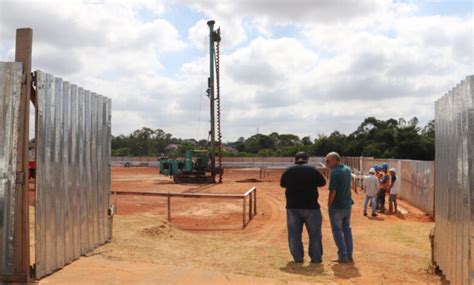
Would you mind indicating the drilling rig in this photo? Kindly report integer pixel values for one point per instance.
(204, 166)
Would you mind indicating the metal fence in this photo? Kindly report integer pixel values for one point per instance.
(454, 201)
(73, 173)
(10, 86)
(227, 162)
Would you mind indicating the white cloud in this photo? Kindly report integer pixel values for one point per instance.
(347, 60)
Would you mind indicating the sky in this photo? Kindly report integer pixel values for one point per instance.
(306, 67)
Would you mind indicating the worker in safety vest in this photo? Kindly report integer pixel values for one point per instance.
(384, 186)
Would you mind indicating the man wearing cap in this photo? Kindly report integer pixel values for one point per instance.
(301, 182)
(371, 187)
(340, 206)
(384, 185)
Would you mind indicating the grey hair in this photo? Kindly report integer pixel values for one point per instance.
(334, 155)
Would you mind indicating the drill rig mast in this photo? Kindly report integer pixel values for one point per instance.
(202, 166)
(213, 92)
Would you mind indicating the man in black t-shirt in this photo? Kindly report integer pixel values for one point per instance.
(301, 181)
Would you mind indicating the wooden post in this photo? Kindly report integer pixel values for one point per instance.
(255, 201)
(169, 208)
(243, 216)
(21, 237)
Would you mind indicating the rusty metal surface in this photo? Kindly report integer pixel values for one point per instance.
(454, 200)
(10, 91)
(73, 177)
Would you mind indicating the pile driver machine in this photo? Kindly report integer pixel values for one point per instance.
(203, 166)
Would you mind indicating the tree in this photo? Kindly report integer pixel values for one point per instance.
(378, 138)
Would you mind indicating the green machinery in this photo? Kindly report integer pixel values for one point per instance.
(200, 166)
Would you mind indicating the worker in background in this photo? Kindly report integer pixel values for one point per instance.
(301, 182)
(393, 191)
(384, 185)
(340, 206)
(371, 187)
(378, 175)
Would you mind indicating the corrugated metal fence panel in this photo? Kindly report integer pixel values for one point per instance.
(73, 178)
(10, 91)
(454, 184)
(417, 184)
(469, 230)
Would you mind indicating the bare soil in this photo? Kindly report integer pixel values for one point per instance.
(204, 242)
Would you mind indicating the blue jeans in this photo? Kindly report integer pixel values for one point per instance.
(313, 220)
(341, 231)
(374, 203)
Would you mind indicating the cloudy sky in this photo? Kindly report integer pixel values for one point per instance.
(306, 67)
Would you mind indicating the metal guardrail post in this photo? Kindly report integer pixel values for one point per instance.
(244, 211)
(255, 201)
(250, 206)
(169, 208)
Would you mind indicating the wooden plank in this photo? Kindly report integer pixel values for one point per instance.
(23, 51)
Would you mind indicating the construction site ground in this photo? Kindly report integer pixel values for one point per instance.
(205, 242)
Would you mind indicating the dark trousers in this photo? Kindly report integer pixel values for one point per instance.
(381, 200)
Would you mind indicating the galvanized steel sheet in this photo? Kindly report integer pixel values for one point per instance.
(454, 203)
(10, 91)
(73, 178)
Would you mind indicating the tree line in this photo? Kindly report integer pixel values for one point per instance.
(402, 139)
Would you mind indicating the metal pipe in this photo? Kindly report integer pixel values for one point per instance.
(169, 208)
(211, 95)
(243, 215)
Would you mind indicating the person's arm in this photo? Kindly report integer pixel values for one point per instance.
(332, 196)
(332, 189)
(320, 181)
(389, 182)
(283, 179)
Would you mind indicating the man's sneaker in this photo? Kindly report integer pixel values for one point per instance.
(316, 261)
(298, 261)
(374, 215)
(365, 214)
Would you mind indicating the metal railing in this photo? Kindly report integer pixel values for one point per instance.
(249, 197)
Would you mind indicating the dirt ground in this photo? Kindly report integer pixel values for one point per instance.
(204, 242)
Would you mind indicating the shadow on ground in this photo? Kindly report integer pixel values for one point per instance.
(301, 269)
(345, 270)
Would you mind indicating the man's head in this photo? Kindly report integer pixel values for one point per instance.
(333, 159)
(393, 171)
(301, 157)
(385, 167)
(372, 171)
